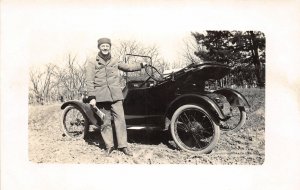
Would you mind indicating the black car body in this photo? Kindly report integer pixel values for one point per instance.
(179, 103)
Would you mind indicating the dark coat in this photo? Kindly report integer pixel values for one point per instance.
(103, 79)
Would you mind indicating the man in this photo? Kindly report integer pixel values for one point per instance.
(104, 91)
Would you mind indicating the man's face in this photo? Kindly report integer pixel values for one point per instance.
(105, 49)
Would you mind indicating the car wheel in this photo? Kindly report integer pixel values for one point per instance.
(193, 130)
(75, 123)
(236, 121)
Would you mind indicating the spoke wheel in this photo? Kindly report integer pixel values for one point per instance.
(193, 130)
(75, 123)
(236, 121)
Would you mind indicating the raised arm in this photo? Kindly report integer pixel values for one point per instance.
(130, 67)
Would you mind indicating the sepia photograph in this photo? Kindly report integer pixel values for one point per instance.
(205, 107)
(149, 94)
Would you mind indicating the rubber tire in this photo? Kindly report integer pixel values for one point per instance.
(178, 142)
(243, 117)
(86, 124)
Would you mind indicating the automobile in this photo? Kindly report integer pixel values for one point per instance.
(178, 103)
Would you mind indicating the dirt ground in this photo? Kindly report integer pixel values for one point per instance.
(48, 145)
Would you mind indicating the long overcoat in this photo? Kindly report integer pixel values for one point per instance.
(103, 79)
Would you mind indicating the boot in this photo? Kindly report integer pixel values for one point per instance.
(109, 151)
(126, 151)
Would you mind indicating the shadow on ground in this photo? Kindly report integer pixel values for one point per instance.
(146, 137)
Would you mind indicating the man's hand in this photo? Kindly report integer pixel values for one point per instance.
(93, 102)
(144, 64)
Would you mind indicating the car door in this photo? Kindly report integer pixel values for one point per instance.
(134, 103)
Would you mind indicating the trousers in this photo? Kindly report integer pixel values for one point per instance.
(115, 111)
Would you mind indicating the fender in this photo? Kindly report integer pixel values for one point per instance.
(92, 117)
(207, 103)
(234, 97)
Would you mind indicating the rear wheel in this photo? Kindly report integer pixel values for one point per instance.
(236, 121)
(193, 130)
(75, 123)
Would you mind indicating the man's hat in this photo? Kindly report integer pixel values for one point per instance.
(104, 41)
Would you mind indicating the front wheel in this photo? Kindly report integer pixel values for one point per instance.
(193, 130)
(75, 123)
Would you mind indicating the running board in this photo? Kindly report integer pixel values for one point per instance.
(131, 127)
(137, 127)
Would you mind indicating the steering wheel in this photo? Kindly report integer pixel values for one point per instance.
(156, 75)
(153, 73)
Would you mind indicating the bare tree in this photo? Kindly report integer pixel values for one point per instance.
(53, 83)
(35, 85)
(134, 47)
(71, 79)
(42, 82)
(191, 47)
(137, 48)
